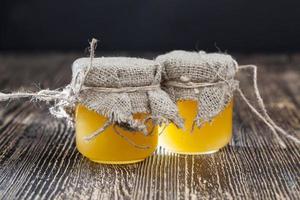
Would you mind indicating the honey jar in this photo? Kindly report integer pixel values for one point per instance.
(119, 107)
(202, 87)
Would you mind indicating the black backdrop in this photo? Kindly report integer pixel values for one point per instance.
(151, 25)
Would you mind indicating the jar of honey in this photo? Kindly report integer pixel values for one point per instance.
(119, 107)
(202, 87)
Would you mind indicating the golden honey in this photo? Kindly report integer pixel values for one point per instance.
(114, 145)
(208, 138)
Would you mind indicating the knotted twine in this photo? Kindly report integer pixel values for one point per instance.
(209, 79)
(115, 87)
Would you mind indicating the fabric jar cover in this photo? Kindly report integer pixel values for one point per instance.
(207, 78)
(122, 72)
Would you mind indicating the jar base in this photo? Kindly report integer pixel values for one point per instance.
(192, 153)
(112, 162)
(124, 162)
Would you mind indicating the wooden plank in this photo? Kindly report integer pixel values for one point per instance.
(39, 160)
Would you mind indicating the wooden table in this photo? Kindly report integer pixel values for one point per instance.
(39, 160)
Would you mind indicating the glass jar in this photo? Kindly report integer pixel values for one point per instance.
(115, 97)
(208, 138)
(202, 86)
(114, 145)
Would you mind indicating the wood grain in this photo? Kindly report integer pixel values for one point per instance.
(39, 160)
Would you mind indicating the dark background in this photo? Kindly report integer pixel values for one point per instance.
(151, 25)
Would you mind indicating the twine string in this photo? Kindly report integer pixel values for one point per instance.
(192, 85)
(42, 95)
(139, 146)
(264, 116)
(93, 46)
(98, 131)
(122, 89)
(108, 123)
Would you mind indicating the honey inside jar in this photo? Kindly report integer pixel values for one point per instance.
(208, 138)
(114, 145)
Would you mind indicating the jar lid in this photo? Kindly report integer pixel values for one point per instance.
(118, 71)
(197, 66)
(118, 87)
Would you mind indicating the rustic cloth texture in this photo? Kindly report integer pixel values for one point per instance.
(210, 75)
(111, 73)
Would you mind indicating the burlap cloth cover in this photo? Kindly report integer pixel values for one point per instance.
(119, 107)
(210, 75)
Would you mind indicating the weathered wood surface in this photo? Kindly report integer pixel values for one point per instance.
(39, 160)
